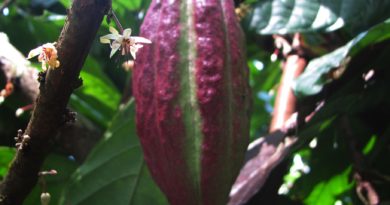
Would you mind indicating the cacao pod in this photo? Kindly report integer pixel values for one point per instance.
(192, 99)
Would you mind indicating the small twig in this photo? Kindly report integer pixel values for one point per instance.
(285, 103)
(42, 180)
(50, 172)
(6, 4)
(364, 189)
(7, 91)
(22, 142)
(45, 195)
(23, 109)
(111, 13)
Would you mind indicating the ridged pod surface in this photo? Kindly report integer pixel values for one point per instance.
(192, 99)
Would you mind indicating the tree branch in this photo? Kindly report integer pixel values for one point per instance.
(268, 152)
(285, 103)
(272, 150)
(78, 33)
(264, 154)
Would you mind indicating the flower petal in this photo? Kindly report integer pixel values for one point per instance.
(104, 40)
(116, 43)
(138, 39)
(113, 30)
(34, 52)
(44, 65)
(53, 63)
(108, 37)
(49, 45)
(134, 49)
(127, 33)
(138, 46)
(114, 48)
(119, 40)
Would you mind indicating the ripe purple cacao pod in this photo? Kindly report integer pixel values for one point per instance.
(192, 99)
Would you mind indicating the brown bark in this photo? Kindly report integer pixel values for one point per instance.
(285, 100)
(50, 111)
(272, 149)
(264, 155)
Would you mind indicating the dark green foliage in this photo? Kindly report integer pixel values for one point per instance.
(115, 171)
(290, 16)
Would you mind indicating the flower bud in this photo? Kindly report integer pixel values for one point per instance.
(45, 198)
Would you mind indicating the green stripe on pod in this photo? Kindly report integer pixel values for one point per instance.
(192, 99)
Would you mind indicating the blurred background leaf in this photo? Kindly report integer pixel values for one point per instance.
(114, 172)
(290, 16)
(98, 98)
(316, 72)
(7, 155)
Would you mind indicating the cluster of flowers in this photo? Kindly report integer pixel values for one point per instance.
(47, 53)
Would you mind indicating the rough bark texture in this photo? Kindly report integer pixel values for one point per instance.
(192, 99)
(266, 153)
(50, 111)
(271, 151)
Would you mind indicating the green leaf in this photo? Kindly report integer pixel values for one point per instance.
(290, 16)
(66, 3)
(330, 167)
(40, 29)
(114, 172)
(6, 156)
(326, 192)
(43, 3)
(370, 145)
(315, 77)
(98, 98)
(130, 5)
(264, 75)
(130, 13)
